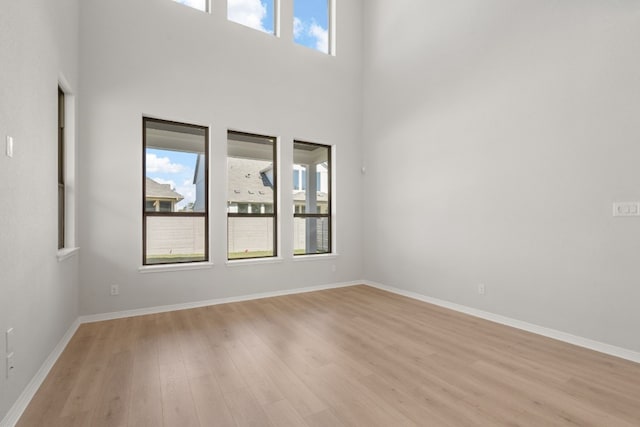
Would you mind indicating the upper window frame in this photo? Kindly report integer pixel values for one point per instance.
(331, 28)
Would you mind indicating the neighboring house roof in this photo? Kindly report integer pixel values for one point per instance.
(155, 190)
(246, 182)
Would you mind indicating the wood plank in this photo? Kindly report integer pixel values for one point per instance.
(342, 357)
(282, 414)
(245, 409)
(210, 404)
(113, 406)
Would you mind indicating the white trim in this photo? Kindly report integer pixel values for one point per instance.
(314, 257)
(65, 253)
(252, 261)
(18, 408)
(146, 269)
(332, 28)
(197, 304)
(16, 411)
(600, 347)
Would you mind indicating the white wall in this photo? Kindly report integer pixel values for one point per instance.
(38, 294)
(498, 133)
(169, 61)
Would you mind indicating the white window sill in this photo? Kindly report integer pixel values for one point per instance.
(66, 253)
(318, 257)
(175, 267)
(241, 262)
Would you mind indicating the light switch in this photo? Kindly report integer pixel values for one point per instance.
(9, 146)
(626, 209)
(9, 341)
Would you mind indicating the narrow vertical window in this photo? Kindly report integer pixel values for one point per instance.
(311, 24)
(61, 170)
(175, 192)
(256, 14)
(251, 196)
(312, 198)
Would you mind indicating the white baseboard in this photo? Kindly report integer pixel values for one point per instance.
(609, 349)
(23, 401)
(21, 404)
(16, 411)
(185, 306)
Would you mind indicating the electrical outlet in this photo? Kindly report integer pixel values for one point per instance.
(481, 288)
(115, 290)
(334, 268)
(10, 365)
(626, 209)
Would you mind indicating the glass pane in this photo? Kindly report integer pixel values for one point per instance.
(251, 178)
(196, 4)
(175, 239)
(313, 163)
(296, 179)
(250, 174)
(250, 237)
(311, 236)
(311, 24)
(61, 218)
(175, 168)
(257, 14)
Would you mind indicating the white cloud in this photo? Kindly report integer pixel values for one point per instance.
(298, 27)
(321, 35)
(247, 12)
(196, 4)
(157, 164)
(188, 191)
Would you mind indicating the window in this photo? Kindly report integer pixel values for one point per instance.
(61, 171)
(175, 181)
(251, 196)
(257, 14)
(311, 27)
(312, 199)
(202, 5)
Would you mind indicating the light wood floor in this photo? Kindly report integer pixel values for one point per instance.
(351, 356)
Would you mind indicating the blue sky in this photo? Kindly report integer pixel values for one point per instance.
(256, 14)
(175, 168)
(310, 22)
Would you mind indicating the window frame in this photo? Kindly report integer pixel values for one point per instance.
(273, 214)
(62, 217)
(331, 28)
(329, 214)
(193, 214)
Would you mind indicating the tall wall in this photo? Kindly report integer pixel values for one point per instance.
(498, 134)
(169, 61)
(38, 294)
